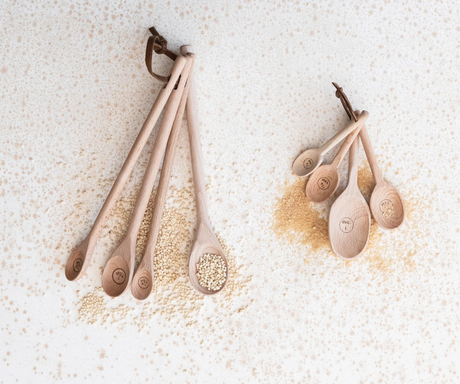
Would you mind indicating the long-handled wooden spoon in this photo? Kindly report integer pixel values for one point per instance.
(350, 218)
(309, 160)
(81, 256)
(205, 241)
(118, 271)
(324, 181)
(142, 283)
(386, 203)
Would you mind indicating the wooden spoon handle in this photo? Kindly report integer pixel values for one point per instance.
(136, 149)
(353, 164)
(345, 147)
(343, 133)
(195, 151)
(162, 190)
(157, 152)
(366, 141)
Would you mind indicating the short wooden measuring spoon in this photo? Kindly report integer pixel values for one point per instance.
(81, 256)
(386, 203)
(350, 218)
(324, 181)
(307, 162)
(118, 271)
(142, 283)
(205, 241)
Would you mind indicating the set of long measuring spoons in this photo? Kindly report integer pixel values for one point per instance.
(350, 217)
(176, 96)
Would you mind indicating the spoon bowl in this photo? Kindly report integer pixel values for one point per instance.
(307, 162)
(387, 206)
(350, 218)
(142, 284)
(322, 183)
(205, 242)
(115, 277)
(75, 263)
(349, 226)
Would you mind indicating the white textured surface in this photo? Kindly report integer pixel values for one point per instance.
(74, 92)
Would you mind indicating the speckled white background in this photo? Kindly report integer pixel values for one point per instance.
(74, 92)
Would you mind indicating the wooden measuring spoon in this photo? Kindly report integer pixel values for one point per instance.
(142, 283)
(386, 203)
(350, 218)
(324, 181)
(118, 271)
(309, 160)
(81, 256)
(205, 241)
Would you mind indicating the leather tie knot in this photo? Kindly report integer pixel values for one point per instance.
(339, 92)
(160, 45)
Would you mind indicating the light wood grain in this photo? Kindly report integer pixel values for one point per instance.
(308, 161)
(126, 250)
(142, 282)
(349, 218)
(324, 181)
(205, 241)
(81, 256)
(386, 203)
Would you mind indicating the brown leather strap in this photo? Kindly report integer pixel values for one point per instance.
(158, 44)
(345, 102)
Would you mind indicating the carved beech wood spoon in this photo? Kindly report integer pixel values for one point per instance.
(350, 218)
(205, 241)
(309, 160)
(386, 203)
(81, 256)
(142, 283)
(324, 181)
(118, 271)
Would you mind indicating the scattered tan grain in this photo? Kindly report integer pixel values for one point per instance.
(173, 297)
(296, 220)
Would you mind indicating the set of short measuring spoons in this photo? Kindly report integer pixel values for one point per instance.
(349, 217)
(208, 268)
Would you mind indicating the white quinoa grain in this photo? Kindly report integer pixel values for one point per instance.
(211, 271)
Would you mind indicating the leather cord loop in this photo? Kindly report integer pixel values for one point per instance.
(158, 44)
(345, 102)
